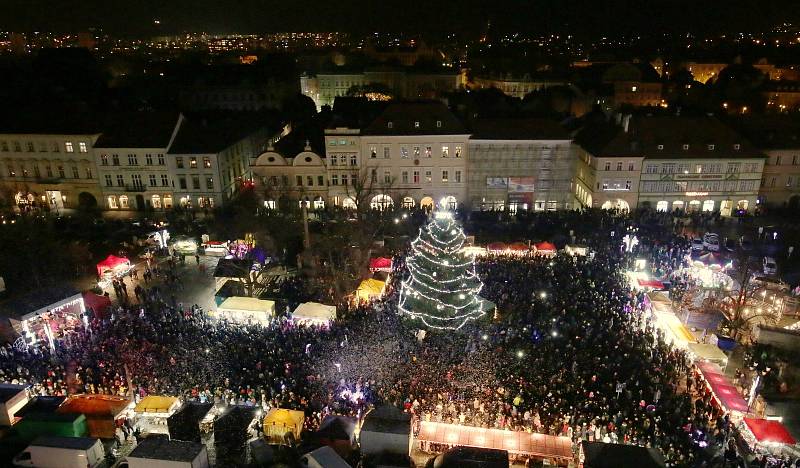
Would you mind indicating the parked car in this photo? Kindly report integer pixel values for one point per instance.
(759, 280)
(697, 245)
(711, 242)
(769, 266)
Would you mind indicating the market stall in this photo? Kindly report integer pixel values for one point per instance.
(246, 310)
(545, 248)
(113, 266)
(519, 248)
(44, 315)
(386, 429)
(724, 393)
(496, 247)
(380, 264)
(708, 352)
(51, 424)
(103, 412)
(576, 250)
(97, 304)
(675, 332)
(765, 436)
(475, 251)
(519, 444)
(152, 413)
(314, 313)
(602, 455)
(216, 248)
(183, 245)
(369, 289)
(280, 422)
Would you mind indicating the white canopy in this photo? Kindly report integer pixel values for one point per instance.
(708, 352)
(244, 309)
(314, 313)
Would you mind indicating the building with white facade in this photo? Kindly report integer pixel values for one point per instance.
(522, 164)
(413, 154)
(48, 165)
(778, 136)
(684, 163)
(131, 157)
(402, 83)
(210, 156)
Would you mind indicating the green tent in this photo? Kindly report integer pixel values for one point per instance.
(52, 424)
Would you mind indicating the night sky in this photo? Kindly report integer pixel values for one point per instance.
(580, 17)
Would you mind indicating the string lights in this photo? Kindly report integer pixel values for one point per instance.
(443, 286)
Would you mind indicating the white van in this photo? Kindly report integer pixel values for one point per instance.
(769, 266)
(61, 452)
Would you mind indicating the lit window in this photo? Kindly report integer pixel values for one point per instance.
(82, 147)
(207, 162)
(445, 175)
(445, 151)
(633, 89)
(416, 124)
(373, 152)
(68, 147)
(193, 162)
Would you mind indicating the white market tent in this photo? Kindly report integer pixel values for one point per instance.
(314, 313)
(246, 309)
(323, 457)
(709, 352)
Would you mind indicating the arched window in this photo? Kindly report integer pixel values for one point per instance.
(449, 202)
(408, 202)
(662, 206)
(708, 205)
(381, 202)
(319, 203)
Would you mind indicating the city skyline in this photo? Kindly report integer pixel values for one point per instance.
(581, 17)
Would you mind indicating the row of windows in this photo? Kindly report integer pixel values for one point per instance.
(23, 171)
(702, 168)
(615, 185)
(795, 160)
(182, 182)
(335, 159)
(415, 176)
(133, 160)
(416, 151)
(55, 147)
(619, 166)
(136, 180)
(669, 186)
(790, 180)
(192, 162)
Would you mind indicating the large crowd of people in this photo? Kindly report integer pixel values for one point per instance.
(570, 352)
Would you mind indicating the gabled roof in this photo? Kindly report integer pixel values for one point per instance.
(416, 118)
(664, 137)
(769, 131)
(212, 132)
(602, 455)
(9, 391)
(387, 419)
(49, 121)
(518, 129)
(153, 448)
(139, 130)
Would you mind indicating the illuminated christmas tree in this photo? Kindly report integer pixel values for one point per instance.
(442, 287)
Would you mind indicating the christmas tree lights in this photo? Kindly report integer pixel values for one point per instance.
(442, 287)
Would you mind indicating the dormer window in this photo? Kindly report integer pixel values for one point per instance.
(737, 146)
(685, 147)
(416, 124)
(438, 124)
(711, 147)
(390, 124)
(660, 147)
